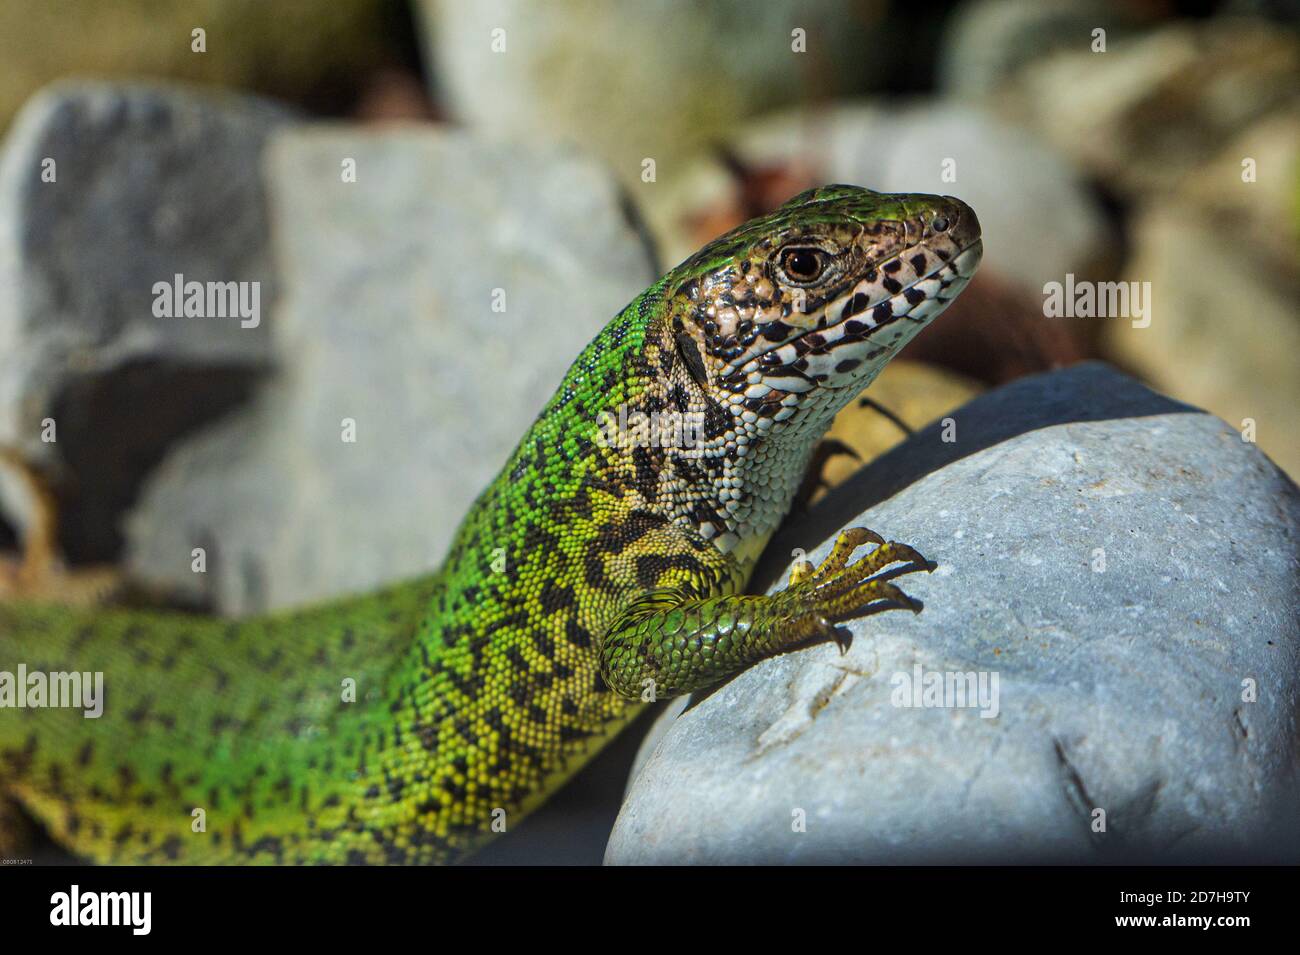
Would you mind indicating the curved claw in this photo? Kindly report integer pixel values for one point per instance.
(832, 631)
(862, 535)
(886, 591)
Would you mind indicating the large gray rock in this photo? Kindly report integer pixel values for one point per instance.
(387, 319)
(1124, 565)
(105, 191)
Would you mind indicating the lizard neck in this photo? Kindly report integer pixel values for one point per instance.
(716, 470)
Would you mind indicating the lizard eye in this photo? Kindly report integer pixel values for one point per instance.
(802, 265)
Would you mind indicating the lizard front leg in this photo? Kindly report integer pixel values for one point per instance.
(677, 642)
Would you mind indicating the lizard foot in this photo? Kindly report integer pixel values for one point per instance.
(837, 588)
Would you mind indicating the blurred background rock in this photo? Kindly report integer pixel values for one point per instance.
(504, 145)
(329, 57)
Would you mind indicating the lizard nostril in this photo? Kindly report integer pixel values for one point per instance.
(940, 224)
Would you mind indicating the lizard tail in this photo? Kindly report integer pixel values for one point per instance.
(136, 737)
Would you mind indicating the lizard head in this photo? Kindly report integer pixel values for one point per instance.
(783, 320)
(818, 295)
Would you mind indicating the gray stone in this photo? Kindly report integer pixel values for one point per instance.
(1180, 251)
(629, 80)
(147, 182)
(1205, 81)
(986, 42)
(1119, 689)
(387, 319)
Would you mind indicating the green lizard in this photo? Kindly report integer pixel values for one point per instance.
(589, 576)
